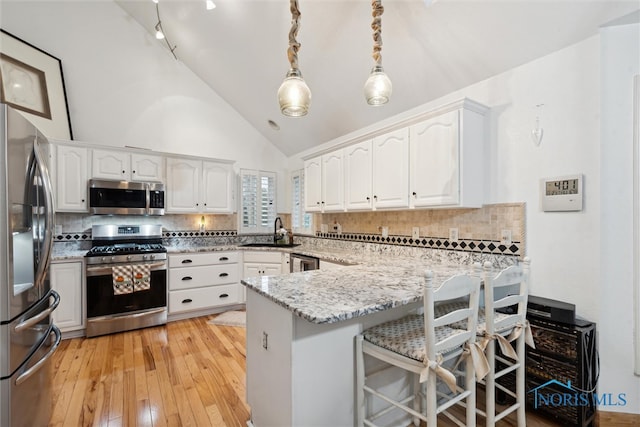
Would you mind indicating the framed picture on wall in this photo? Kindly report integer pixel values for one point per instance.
(31, 81)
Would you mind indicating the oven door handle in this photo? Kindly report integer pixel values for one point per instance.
(128, 315)
(101, 270)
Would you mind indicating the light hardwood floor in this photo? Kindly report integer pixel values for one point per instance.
(187, 373)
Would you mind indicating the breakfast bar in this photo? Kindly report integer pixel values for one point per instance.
(300, 336)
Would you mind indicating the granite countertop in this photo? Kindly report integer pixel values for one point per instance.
(330, 296)
(370, 284)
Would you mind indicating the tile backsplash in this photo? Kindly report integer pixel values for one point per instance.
(479, 230)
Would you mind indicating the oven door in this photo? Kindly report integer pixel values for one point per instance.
(101, 300)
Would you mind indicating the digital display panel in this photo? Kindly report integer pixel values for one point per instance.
(561, 187)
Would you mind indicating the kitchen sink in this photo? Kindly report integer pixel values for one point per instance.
(271, 245)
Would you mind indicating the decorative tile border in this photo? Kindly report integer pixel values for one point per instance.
(196, 233)
(463, 245)
(72, 237)
(86, 235)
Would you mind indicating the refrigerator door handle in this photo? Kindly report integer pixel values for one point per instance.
(32, 370)
(49, 219)
(43, 314)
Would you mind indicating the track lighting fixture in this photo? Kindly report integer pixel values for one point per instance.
(160, 34)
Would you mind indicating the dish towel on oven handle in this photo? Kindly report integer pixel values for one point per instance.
(141, 277)
(122, 279)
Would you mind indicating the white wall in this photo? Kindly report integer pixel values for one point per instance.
(125, 88)
(620, 63)
(579, 257)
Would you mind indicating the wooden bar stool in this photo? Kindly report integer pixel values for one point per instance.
(505, 326)
(421, 344)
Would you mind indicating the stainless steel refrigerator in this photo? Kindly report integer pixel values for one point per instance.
(28, 337)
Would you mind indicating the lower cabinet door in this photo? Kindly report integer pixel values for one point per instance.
(200, 298)
(67, 280)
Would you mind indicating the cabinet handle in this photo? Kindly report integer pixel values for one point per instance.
(368, 198)
(205, 204)
(414, 194)
(123, 172)
(186, 261)
(223, 258)
(224, 274)
(133, 171)
(82, 200)
(187, 278)
(317, 203)
(224, 295)
(187, 301)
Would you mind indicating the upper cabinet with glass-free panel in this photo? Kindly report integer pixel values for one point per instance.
(324, 183)
(70, 175)
(126, 166)
(199, 186)
(435, 159)
(390, 170)
(447, 159)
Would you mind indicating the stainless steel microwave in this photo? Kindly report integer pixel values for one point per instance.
(108, 197)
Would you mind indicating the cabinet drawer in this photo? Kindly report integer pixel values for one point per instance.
(196, 277)
(200, 298)
(207, 258)
(263, 256)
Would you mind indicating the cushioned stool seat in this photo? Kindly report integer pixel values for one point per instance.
(406, 336)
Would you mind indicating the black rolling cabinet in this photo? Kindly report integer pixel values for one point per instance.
(564, 354)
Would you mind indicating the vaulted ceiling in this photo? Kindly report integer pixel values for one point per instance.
(430, 48)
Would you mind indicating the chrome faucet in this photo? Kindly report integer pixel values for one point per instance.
(277, 236)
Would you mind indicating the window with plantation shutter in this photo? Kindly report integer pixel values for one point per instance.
(257, 201)
(300, 220)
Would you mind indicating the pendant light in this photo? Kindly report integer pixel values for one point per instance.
(377, 89)
(294, 95)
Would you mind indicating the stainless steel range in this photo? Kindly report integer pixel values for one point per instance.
(126, 279)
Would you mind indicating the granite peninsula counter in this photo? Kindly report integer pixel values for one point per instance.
(300, 336)
(329, 296)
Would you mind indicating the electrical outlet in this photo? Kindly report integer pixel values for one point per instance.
(415, 233)
(453, 234)
(505, 237)
(385, 231)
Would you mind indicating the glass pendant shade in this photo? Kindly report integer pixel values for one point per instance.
(377, 89)
(294, 95)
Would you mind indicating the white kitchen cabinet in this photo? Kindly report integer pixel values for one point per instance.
(333, 181)
(262, 263)
(71, 174)
(67, 279)
(313, 185)
(390, 170)
(357, 176)
(217, 187)
(183, 185)
(197, 186)
(126, 166)
(447, 167)
(324, 183)
(202, 281)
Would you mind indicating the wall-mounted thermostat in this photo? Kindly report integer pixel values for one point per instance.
(562, 193)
